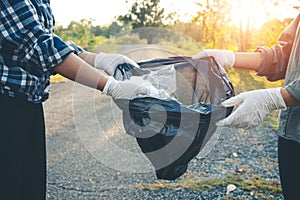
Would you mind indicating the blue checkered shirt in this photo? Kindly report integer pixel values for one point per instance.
(29, 49)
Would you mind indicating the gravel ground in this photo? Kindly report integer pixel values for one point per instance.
(76, 171)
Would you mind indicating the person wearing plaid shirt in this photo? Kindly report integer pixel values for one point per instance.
(30, 53)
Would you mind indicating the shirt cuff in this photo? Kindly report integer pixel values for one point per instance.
(77, 49)
(273, 63)
(51, 52)
(294, 89)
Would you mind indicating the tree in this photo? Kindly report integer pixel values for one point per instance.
(269, 32)
(215, 21)
(143, 14)
(113, 29)
(80, 33)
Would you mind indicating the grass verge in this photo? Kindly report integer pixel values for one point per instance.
(256, 186)
(58, 78)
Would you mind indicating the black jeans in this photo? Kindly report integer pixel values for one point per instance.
(289, 168)
(22, 150)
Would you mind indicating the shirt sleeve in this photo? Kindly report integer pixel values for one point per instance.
(275, 59)
(49, 52)
(293, 88)
(77, 49)
(274, 62)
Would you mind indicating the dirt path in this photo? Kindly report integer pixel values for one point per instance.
(91, 166)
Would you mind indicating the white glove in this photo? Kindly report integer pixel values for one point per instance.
(128, 89)
(255, 106)
(109, 62)
(226, 58)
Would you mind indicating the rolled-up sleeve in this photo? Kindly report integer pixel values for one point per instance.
(275, 59)
(274, 62)
(294, 89)
(77, 49)
(52, 51)
(48, 52)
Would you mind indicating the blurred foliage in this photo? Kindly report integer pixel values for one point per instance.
(214, 19)
(58, 78)
(142, 14)
(80, 33)
(145, 13)
(115, 43)
(269, 32)
(211, 27)
(107, 31)
(180, 44)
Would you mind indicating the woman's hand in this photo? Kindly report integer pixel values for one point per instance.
(254, 107)
(128, 89)
(226, 58)
(109, 62)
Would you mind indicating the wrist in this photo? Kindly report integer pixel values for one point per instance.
(227, 58)
(279, 101)
(99, 60)
(102, 83)
(288, 98)
(109, 85)
(88, 57)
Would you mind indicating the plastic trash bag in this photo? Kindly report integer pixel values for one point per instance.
(173, 127)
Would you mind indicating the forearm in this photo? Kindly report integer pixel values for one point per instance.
(76, 69)
(252, 61)
(247, 60)
(88, 57)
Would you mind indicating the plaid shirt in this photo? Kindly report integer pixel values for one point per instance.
(29, 49)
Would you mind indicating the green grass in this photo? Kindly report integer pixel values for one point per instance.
(272, 121)
(254, 185)
(58, 78)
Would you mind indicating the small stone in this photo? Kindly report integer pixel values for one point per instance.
(235, 155)
(240, 170)
(230, 188)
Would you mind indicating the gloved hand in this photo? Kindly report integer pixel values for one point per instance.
(254, 108)
(226, 58)
(109, 62)
(128, 89)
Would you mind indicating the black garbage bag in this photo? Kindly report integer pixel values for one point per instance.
(172, 131)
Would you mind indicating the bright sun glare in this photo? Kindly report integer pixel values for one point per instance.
(104, 14)
(256, 12)
(251, 12)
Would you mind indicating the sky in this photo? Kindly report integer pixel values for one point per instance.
(103, 12)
